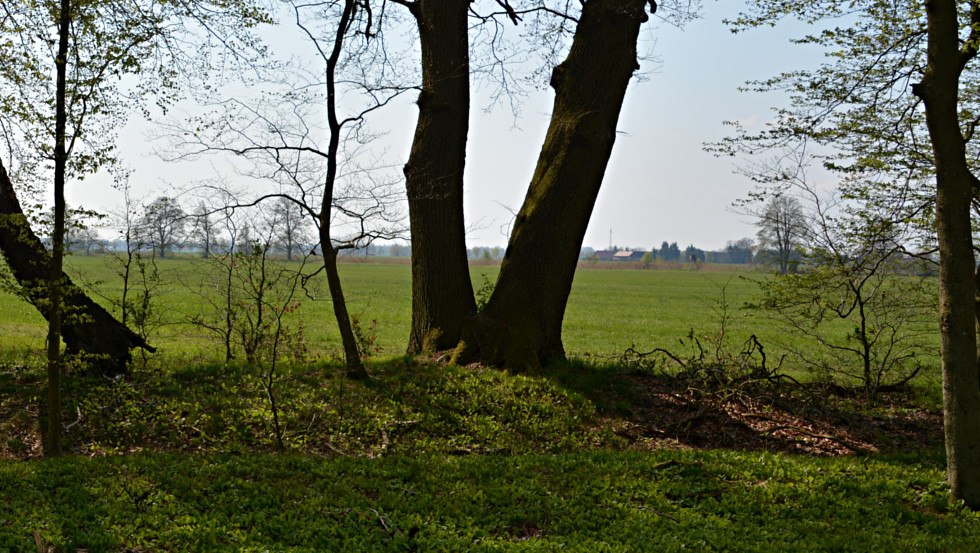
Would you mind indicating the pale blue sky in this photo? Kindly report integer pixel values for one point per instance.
(660, 185)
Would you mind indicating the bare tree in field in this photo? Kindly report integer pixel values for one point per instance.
(292, 227)
(163, 225)
(204, 229)
(783, 228)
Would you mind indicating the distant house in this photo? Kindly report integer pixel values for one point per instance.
(619, 255)
(626, 255)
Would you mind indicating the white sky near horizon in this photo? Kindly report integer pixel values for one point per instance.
(660, 185)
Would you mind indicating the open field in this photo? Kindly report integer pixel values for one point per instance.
(589, 456)
(608, 310)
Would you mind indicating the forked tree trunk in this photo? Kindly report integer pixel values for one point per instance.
(939, 91)
(87, 327)
(521, 324)
(442, 294)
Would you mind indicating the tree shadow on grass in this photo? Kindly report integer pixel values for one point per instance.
(653, 411)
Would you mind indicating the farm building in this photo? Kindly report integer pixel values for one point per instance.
(619, 255)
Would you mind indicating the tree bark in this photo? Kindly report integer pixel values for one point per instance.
(521, 324)
(89, 328)
(442, 293)
(939, 91)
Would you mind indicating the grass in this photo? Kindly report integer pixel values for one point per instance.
(593, 501)
(608, 310)
(590, 456)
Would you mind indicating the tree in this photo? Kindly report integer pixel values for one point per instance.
(279, 135)
(896, 108)
(292, 227)
(782, 229)
(521, 324)
(203, 232)
(647, 260)
(163, 225)
(68, 123)
(956, 190)
(740, 251)
(694, 255)
(442, 293)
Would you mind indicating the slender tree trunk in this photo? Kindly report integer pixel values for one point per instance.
(53, 442)
(521, 324)
(352, 355)
(939, 91)
(442, 293)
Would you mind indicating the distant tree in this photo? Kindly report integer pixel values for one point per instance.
(740, 251)
(163, 225)
(670, 252)
(647, 260)
(783, 228)
(203, 232)
(293, 227)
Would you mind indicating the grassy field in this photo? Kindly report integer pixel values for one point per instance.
(589, 456)
(608, 310)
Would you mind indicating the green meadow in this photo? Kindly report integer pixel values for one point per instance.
(608, 310)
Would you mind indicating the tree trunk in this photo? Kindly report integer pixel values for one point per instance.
(521, 324)
(89, 328)
(52, 445)
(442, 294)
(954, 191)
(352, 355)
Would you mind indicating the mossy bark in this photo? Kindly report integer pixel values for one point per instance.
(442, 294)
(521, 324)
(87, 328)
(955, 184)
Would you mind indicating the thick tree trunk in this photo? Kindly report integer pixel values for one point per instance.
(521, 324)
(442, 294)
(88, 328)
(939, 91)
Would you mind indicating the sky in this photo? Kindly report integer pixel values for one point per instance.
(660, 185)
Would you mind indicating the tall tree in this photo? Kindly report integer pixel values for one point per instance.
(956, 188)
(889, 61)
(521, 323)
(281, 139)
(442, 293)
